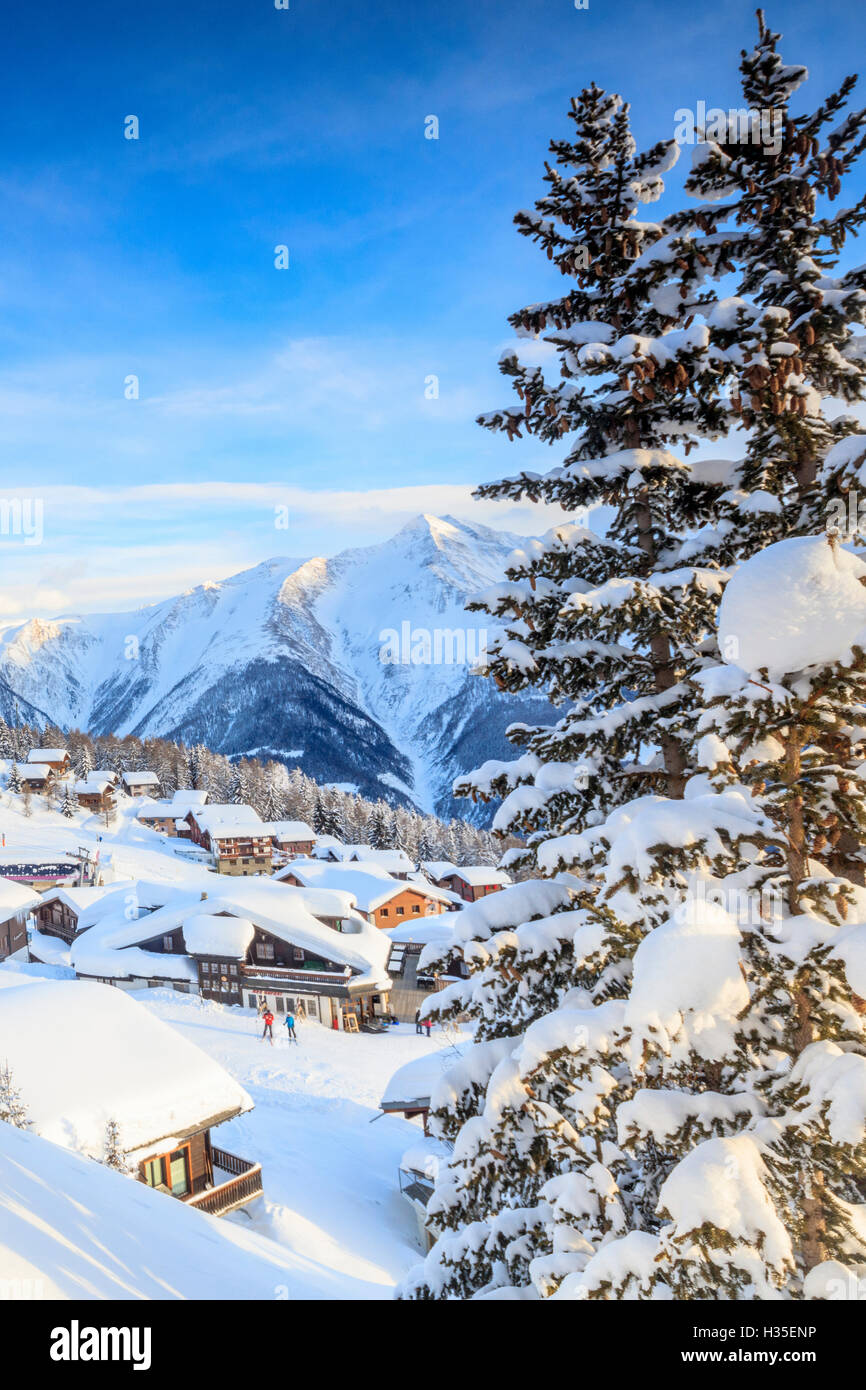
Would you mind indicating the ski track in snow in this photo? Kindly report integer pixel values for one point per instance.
(330, 1175)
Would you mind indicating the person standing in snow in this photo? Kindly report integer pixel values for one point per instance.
(418, 1028)
(268, 1030)
(290, 1025)
(427, 1024)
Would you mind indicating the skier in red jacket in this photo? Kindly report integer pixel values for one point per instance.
(268, 1030)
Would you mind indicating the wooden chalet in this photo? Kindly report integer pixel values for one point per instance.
(468, 882)
(57, 911)
(292, 837)
(410, 1088)
(57, 759)
(258, 943)
(16, 904)
(111, 1054)
(385, 901)
(96, 794)
(236, 836)
(37, 776)
(159, 815)
(140, 783)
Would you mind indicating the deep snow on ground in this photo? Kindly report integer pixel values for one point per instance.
(331, 1187)
(330, 1175)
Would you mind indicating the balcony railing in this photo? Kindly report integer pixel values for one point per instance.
(243, 1186)
(286, 972)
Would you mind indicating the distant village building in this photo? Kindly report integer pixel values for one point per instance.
(56, 758)
(16, 903)
(142, 783)
(468, 882)
(241, 943)
(159, 815)
(293, 837)
(85, 1057)
(236, 836)
(56, 916)
(37, 776)
(396, 862)
(96, 794)
(382, 899)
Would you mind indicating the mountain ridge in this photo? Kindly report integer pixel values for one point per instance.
(284, 658)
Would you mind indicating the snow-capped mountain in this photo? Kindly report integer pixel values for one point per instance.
(284, 661)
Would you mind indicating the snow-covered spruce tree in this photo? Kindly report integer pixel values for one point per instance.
(13, 781)
(113, 1155)
(745, 1023)
(795, 346)
(12, 1108)
(615, 628)
(69, 805)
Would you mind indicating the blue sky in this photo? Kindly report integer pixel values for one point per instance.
(301, 388)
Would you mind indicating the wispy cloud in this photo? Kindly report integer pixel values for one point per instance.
(107, 549)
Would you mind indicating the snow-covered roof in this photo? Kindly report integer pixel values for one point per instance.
(395, 860)
(15, 898)
(78, 898)
(108, 772)
(144, 778)
(47, 755)
(82, 1054)
(223, 820)
(186, 796)
(369, 884)
(48, 950)
(156, 810)
(439, 868)
(413, 1083)
(479, 875)
(108, 936)
(32, 772)
(420, 931)
(92, 786)
(208, 935)
(426, 1157)
(290, 830)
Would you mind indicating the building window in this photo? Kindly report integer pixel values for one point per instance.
(416, 907)
(401, 912)
(384, 911)
(265, 950)
(297, 953)
(233, 970)
(179, 1173)
(154, 1172)
(167, 943)
(205, 967)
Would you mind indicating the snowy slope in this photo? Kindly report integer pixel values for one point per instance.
(283, 660)
(70, 1228)
(330, 1225)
